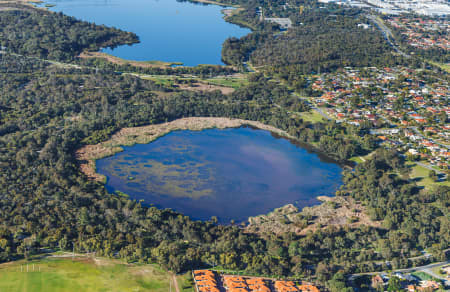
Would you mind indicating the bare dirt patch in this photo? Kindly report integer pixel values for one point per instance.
(87, 155)
(206, 87)
(8, 8)
(9, 5)
(119, 61)
(213, 2)
(334, 211)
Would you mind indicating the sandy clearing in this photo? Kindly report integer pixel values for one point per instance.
(333, 211)
(119, 61)
(206, 87)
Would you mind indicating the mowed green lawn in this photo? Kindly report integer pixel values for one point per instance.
(312, 116)
(228, 82)
(80, 275)
(420, 174)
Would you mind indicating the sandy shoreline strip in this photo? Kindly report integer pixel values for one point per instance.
(215, 3)
(88, 154)
(120, 61)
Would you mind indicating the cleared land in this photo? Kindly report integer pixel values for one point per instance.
(237, 81)
(226, 85)
(312, 116)
(119, 61)
(338, 211)
(420, 175)
(199, 86)
(82, 274)
(214, 3)
(443, 66)
(87, 155)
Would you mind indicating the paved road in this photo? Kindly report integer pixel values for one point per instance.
(426, 269)
(415, 130)
(387, 33)
(428, 167)
(445, 280)
(321, 112)
(423, 268)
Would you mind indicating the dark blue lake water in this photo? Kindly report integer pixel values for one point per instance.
(169, 31)
(231, 173)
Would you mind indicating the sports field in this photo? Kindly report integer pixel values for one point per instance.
(82, 274)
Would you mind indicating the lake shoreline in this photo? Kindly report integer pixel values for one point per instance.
(227, 11)
(89, 154)
(120, 61)
(149, 51)
(212, 2)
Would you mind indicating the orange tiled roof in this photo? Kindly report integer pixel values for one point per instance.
(255, 281)
(238, 290)
(198, 272)
(204, 277)
(234, 278)
(206, 283)
(308, 288)
(236, 284)
(208, 289)
(259, 288)
(285, 286)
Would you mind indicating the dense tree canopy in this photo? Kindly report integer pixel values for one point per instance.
(55, 36)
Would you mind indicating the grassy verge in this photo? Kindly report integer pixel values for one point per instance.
(357, 159)
(81, 274)
(186, 282)
(422, 276)
(438, 271)
(161, 79)
(445, 67)
(312, 116)
(360, 159)
(420, 175)
(167, 80)
(228, 82)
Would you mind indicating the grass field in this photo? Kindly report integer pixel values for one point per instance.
(186, 283)
(420, 174)
(312, 116)
(228, 82)
(445, 67)
(422, 276)
(438, 271)
(161, 79)
(357, 159)
(82, 274)
(361, 159)
(225, 81)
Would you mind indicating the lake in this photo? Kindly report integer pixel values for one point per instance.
(231, 173)
(169, 31)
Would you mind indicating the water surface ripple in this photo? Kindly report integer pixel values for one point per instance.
(231, 173)
(169, 30)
